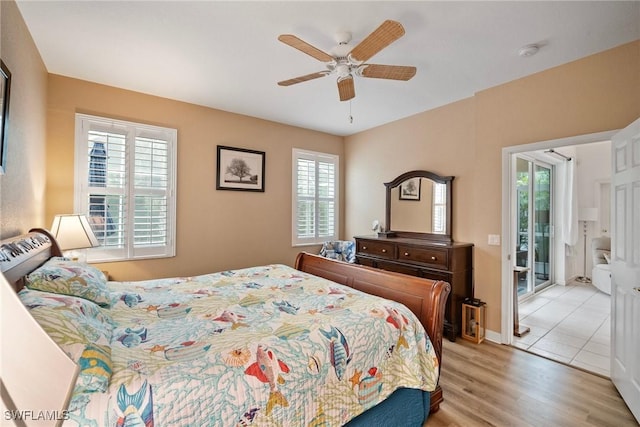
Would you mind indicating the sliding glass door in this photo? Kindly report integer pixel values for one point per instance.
(542, 225)
(533, 245)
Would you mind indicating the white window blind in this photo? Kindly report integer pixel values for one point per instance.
(439, 207)
(315, 197)
(125, 184)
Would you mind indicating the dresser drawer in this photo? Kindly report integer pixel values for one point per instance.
(438, 258)
(377, 248)
(410, 269)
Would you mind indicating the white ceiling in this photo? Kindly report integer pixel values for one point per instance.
(225, 54)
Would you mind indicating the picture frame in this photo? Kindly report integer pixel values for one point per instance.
(410, 189)
(240, 169)
(5, 90)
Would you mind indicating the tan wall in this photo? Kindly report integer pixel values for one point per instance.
(22, 187)
(465, 139)
(216, 230)
(441, 141)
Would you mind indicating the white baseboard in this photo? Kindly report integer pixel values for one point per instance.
(493, 336)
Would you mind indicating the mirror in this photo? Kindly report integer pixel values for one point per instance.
(419, 206)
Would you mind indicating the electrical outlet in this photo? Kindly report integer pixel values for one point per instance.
(494, 240)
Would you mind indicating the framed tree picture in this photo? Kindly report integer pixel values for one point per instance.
(410, 189)
(240, 169)
(5, 86)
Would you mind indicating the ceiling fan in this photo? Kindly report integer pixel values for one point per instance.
(347, 62)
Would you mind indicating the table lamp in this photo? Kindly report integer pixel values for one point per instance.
(72, 231)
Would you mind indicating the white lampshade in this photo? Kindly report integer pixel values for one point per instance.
(73, 232)
(37, 375)
(588, 214)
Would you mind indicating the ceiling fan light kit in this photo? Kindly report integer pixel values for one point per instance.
(346, 63)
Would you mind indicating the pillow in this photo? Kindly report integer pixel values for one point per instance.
(63, 276)
(81, 329)
(342, 250)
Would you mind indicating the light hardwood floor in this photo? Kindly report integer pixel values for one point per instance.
(497, 385)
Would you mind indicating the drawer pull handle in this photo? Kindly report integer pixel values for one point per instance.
(364, 248)
(406, 254)
(384, 251)
(434, 258)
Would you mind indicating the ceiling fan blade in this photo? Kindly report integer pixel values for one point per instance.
(305, 47)
(302, 78)
(382, 37)
(346, 89)
(392, 72)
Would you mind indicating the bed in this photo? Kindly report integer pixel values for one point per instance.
(265, 345)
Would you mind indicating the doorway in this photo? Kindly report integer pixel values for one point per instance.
(568, 320)
(533, 205)
(561, 266)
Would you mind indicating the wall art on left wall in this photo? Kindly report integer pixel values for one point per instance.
(5, 86)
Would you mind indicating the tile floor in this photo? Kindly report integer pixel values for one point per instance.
(570, 324)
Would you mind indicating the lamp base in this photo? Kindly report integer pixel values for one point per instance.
(77, 255)
(583, 279)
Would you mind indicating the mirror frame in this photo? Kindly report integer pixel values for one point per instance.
(447, 180)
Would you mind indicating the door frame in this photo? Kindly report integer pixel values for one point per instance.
(507, 212)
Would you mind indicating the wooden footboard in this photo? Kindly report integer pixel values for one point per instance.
(425, 298)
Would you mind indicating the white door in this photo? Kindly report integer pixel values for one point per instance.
(625, 266)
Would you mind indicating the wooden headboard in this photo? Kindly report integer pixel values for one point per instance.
(22, 254)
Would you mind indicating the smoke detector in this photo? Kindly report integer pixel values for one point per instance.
(529, 50)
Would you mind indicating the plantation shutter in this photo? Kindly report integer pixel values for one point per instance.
(151, 180)
(439, 206)
(315, 202)
(125, 179)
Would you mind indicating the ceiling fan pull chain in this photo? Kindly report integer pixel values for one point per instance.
(350, 116)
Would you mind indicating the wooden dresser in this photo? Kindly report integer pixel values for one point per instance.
(451, 262)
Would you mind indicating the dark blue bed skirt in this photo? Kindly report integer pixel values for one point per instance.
(406, 407)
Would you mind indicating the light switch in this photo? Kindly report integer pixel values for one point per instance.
(494, 239)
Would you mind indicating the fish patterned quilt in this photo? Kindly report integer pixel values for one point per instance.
(263, 346)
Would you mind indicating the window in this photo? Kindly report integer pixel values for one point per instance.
(315, 197)
(125, 184)
(439, 207)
